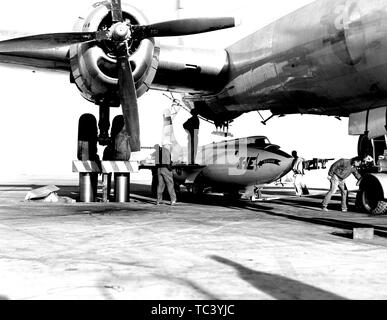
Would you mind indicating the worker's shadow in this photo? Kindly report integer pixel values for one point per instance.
(279, 287)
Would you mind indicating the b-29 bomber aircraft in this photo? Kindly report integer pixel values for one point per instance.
(326, 58)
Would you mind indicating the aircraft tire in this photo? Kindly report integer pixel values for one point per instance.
(198, 186)
(372, 203)
(380, 209)
(233, 195)
(177, 187)
(87, 138)
(197, 189)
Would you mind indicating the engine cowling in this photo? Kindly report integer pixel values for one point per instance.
(93, 65)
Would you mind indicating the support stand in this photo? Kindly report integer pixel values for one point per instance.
(122, 187)
(88, 179)
(88, 187)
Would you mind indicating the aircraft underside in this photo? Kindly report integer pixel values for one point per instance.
(327, 58)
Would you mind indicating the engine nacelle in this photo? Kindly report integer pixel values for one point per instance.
(93, 65)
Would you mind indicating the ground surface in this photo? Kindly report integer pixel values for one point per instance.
(208, 248)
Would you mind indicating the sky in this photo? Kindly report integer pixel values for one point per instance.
(39, 110)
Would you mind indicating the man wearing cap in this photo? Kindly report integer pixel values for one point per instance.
(164, 173)
(337, 174)
(298, 170)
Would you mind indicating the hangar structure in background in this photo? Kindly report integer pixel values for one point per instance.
(326, 58)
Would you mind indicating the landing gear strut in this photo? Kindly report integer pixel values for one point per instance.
(104, 124)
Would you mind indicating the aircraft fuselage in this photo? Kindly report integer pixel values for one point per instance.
(239, 163)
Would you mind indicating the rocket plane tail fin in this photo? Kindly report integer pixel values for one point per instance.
(168, 138)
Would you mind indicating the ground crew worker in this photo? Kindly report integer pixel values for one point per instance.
(337, 174)
(164, 173)
(298, 170)
(191, 126)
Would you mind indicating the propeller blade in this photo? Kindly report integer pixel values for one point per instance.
(128, 97)
(184, 27)
(49, 41)
(116, 11)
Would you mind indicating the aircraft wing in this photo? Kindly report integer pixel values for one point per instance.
(49, 58)
(179, 69)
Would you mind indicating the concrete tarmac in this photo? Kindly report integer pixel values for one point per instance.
(204, 248)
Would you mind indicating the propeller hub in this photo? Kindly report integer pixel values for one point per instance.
(121, 31)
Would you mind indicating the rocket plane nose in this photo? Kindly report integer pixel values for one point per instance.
(287, 165)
